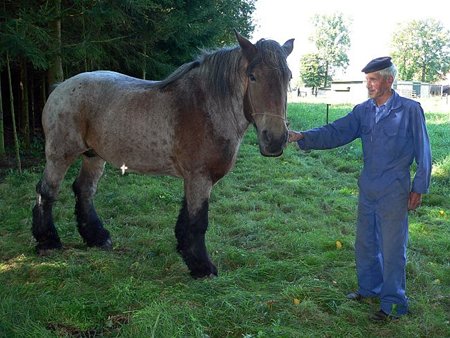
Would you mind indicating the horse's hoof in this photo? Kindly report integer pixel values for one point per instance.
(210, 276)
(45, 249)
(107, 246)
(207, 272)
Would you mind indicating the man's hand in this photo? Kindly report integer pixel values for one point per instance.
(294, 136)
(414, 200)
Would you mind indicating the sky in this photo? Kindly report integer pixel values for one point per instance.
(373, 25)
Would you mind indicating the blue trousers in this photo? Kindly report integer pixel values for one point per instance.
(380, 246)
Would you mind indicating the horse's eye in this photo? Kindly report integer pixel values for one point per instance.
(252, 77)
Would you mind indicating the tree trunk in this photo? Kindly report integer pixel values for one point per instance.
(144, 63)
(32, 107)
(55, 72)
(24, 114)
(84, 39)
(424, 72)
(2, 130)
(13, 115)
(326, 75)
(43, 93)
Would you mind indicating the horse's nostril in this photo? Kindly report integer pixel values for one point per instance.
(266, 136)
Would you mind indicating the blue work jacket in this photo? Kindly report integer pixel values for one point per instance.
(389, 146)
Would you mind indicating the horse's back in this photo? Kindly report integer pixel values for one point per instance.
(95, 85)
(87, 90)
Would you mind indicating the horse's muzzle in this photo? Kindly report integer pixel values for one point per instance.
(272, 146)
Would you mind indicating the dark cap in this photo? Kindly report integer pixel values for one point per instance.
(377, 64)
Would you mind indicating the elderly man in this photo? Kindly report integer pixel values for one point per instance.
(393, 134)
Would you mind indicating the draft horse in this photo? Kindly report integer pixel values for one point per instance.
(189, 125)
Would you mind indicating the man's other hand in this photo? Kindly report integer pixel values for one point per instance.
(414, 200)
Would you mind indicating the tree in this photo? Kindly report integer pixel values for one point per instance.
(13, 117)
(421, 51)
(2, 129)
(312, 71)
(24, 42)
(148, 38)
(55, 72)
(332, 40)
(191, 25)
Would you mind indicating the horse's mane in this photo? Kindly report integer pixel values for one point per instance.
(221, 68)
(177, 74)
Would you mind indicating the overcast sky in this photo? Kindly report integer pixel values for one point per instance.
(373, 24)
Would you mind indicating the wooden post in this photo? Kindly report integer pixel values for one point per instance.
(328, 108)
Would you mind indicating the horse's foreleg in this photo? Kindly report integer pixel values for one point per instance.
(90, 226)
(191, 228)
(47, 189)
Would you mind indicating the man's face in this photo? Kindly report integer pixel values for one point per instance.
(378, 86)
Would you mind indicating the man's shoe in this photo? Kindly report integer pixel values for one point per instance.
(381, 316)
(355, 296)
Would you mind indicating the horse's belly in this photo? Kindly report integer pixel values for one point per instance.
(135, 152)
(150, 165)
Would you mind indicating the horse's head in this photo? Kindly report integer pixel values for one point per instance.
(267, 81)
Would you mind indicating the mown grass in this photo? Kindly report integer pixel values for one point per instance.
(273, 229)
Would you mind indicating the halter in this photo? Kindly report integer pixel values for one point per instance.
(272, 115)
(252, 115)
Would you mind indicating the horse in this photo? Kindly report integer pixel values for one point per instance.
(188, 125)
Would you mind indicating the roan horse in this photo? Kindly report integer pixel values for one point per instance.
(189, 125)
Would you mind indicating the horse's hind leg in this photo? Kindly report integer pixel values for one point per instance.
(90, 226)
(47, 189)
(191, 227)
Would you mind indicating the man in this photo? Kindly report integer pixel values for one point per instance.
(393, 134)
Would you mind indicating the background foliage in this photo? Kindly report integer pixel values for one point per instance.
(420, 49)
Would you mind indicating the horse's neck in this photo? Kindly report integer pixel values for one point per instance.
(229, 118)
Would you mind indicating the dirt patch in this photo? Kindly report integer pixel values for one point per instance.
(111, 327)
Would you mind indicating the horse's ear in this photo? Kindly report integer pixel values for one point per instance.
(248, 49)
(288, 46)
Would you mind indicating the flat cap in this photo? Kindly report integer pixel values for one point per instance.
(377, 64)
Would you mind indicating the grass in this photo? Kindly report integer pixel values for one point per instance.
(273, 229)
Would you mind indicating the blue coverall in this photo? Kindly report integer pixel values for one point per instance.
(389, 148)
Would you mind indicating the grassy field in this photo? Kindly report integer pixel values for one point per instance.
(273, 229)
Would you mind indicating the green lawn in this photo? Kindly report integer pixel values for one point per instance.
(274, 223)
